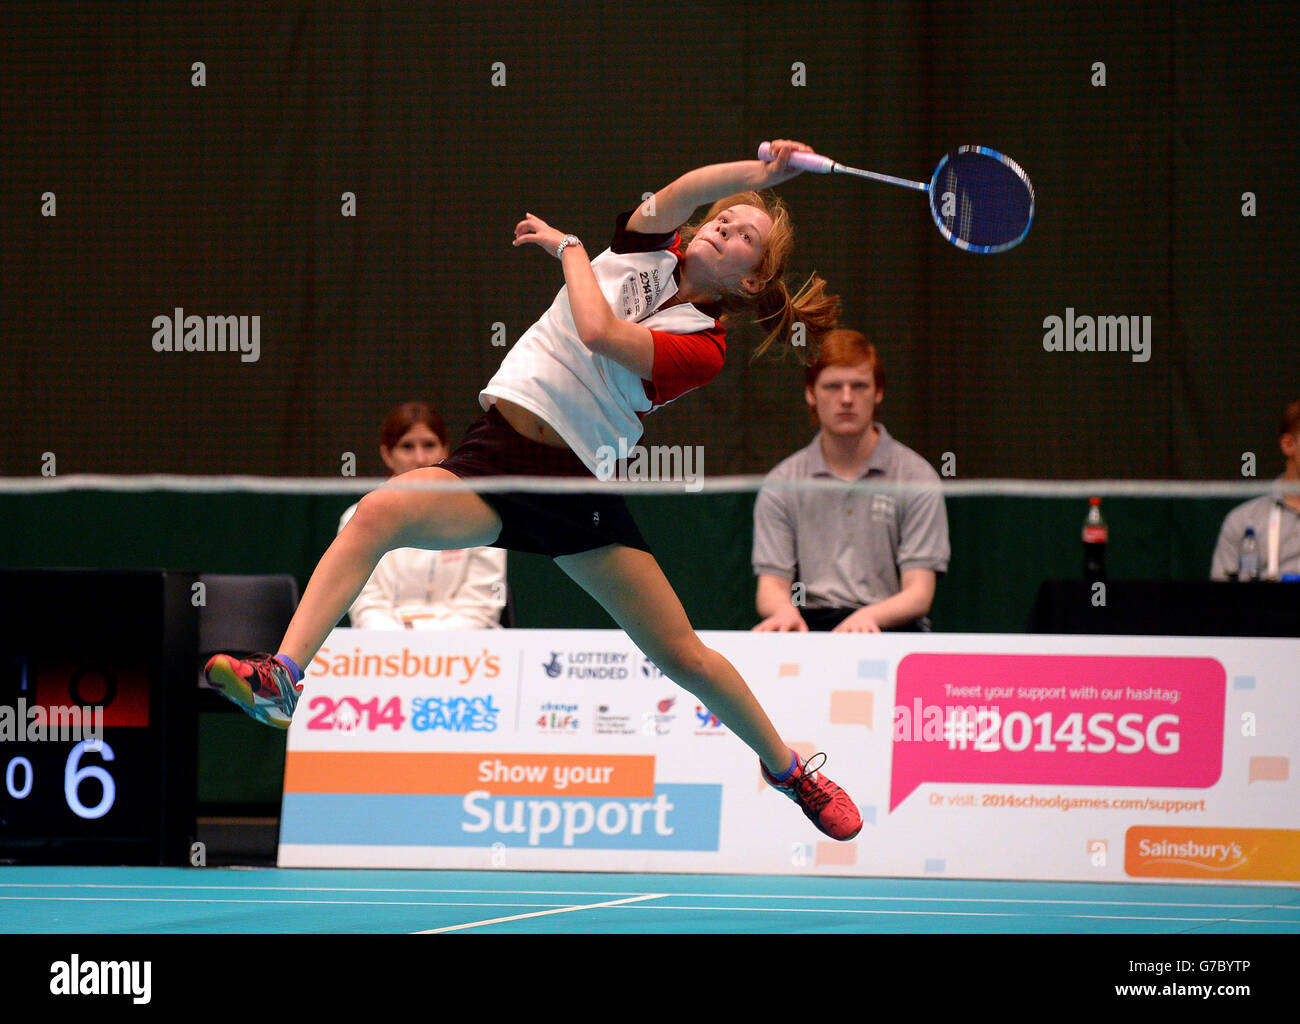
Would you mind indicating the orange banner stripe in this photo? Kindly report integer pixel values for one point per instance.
(1258, 854)
(451, 773)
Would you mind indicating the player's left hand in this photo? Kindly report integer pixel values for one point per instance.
(534, 229)
(778, 170)
(860, 621)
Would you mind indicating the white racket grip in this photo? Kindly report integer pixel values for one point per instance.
(803, 161)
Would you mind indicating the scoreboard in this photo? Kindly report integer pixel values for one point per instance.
(98, 716)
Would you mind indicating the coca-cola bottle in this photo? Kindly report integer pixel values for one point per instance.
(1094, 542)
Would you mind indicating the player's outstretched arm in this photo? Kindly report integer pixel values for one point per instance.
(673, 205)
(628, 344)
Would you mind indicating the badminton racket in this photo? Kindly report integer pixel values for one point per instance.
(981, 200)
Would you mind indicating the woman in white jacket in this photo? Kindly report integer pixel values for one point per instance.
(415, 588)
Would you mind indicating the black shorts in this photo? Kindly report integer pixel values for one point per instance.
(542, 524)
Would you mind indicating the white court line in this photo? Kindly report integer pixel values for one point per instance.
(694, 895)
(268, 903)
(963, 913)
(543, 913)
(624, 902)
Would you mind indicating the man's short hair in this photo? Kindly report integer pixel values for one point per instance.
(844, 347)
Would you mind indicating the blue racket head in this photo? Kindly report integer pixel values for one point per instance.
(982, 200)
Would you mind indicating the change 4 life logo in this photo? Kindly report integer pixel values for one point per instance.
(555, 716)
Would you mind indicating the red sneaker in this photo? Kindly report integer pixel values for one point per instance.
(260, 685)
(825, 804)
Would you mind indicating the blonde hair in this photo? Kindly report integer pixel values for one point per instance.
(772, 306)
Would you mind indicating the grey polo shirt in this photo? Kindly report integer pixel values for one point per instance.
(1256, 513)
(850, 548)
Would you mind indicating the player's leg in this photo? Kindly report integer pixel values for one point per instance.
(630, 585)
(396, 515)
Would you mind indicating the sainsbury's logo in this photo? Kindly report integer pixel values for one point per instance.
(406, 664)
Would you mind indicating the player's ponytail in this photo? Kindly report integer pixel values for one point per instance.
(801, 319)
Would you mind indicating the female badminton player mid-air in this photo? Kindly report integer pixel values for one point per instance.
(633, 329)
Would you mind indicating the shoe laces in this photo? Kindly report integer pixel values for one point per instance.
(265, 669)
(814, 794)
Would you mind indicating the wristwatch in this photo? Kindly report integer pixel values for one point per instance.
(566, 241)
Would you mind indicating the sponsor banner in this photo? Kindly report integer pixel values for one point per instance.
(1220, 854)
(674, 817)
(374, 772)
(1078, 721)
(975, 756)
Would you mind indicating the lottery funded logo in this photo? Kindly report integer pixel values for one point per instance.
(601, 665)
(558, 717)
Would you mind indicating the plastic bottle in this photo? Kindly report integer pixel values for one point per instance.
(1248, 558)
(1095, 535)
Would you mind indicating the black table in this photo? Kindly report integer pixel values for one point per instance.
(1167, 608)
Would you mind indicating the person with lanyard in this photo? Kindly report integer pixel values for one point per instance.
(638, 326)
(1273, 519)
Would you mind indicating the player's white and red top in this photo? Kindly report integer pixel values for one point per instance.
(589, 399)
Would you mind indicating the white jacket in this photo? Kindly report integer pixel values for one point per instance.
(413, 588)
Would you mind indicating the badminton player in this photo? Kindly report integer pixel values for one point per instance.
(634, 328)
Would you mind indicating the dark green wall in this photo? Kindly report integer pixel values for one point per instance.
(1003, 548)
(226, 200)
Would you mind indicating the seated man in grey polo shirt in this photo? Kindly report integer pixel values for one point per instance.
(854, 561)
(1275, 517)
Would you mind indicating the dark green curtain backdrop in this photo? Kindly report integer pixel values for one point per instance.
(226, 200)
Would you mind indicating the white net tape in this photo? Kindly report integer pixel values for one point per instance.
(1240, 489)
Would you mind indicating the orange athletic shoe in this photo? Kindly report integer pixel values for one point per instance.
(261, 685)
(825, 804)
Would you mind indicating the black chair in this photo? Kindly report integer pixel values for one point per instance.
(244, 615)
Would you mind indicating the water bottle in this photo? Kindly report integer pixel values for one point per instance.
(1248, 559)
(1094, 542)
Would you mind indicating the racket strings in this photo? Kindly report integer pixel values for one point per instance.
(981, 201)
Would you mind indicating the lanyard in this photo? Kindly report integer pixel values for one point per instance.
(1274, 542)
